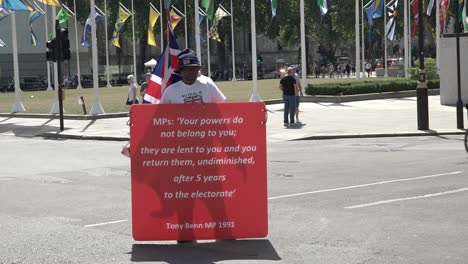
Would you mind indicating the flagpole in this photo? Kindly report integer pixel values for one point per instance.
(107, 45)
(410, 55)
(208, 45)
(18, 105)
(161, 23)
(232, 46)
(96, 109)
(134, 45)
(185, 21)
(363, 41)
(406, 36)
(358, 44)
(255, 96)
(56, 107)
(438, 33)
(385, 37)
(49, 87)
(197, 30)
(303, 47)
(78, 70)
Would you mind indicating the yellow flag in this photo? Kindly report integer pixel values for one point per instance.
(153, 18)
(175, 18)
(124, 14)
(50, 2)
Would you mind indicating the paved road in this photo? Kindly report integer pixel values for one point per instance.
(387, 200)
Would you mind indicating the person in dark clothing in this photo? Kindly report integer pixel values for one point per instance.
(288, 86)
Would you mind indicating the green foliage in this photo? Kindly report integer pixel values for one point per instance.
(430, 65)
(365, 87)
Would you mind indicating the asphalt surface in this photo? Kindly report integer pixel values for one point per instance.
(384, 200)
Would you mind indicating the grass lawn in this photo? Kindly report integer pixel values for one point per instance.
(113, 99)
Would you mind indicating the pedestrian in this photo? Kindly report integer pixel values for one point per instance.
(144, 85)
(298, 93)
(368, 67)
(193, 88)
(348, 69)
(132, 91)
(288, 86)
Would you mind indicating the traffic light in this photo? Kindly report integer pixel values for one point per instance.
(52, 50)
(259, 58)
(64, 44)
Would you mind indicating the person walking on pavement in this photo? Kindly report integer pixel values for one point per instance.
(368, 67)
(145, 84)
(298, 93)
(289, 88)
(132, 90)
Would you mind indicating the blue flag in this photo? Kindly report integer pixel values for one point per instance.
(33, 16)
(378, 9)
(86, 40)
(17, 5)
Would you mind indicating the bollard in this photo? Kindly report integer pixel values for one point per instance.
(82, 103)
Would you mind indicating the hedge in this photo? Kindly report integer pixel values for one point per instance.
(365, 87)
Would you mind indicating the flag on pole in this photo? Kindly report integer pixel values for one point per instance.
(17, 5)
(201, 16)
(124, 14)
(163, 75)
(430, 6)
(4, 13)
(213, 33)
(50, 2)
(444, 6)
(86, 39)
(274, 4)
(378, 9)
(461, 3)
(391, 24)
(415, 12)
(465, 19)
(2, 44)
(370, 20)
(322, 4)
(175, 18)
(33, 16)
(153, 18)
(208, 5)
(62, 16)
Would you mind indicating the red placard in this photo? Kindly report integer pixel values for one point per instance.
(198, 171)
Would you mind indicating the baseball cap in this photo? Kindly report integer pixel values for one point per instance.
(188, 57)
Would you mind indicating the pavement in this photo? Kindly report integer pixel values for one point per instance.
(391, 117)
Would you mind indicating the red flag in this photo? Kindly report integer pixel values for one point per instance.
(415, 12)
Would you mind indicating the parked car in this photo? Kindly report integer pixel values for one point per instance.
(87, 81)
(29, 83)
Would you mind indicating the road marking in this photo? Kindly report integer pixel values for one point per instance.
(407, 198)
(107, 223)
(365, 185)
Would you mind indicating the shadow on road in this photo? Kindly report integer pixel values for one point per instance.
(203, 253)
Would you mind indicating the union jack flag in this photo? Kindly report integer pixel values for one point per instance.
(163, 75)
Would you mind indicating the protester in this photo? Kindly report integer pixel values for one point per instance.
(132, 90)
(288, 86)
(193, 88)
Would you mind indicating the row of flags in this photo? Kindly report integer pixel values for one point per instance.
(375, 9)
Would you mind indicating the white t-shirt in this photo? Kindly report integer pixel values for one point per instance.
(203, 90)
(132, 90)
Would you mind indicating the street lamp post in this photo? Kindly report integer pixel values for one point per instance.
(421, 90)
